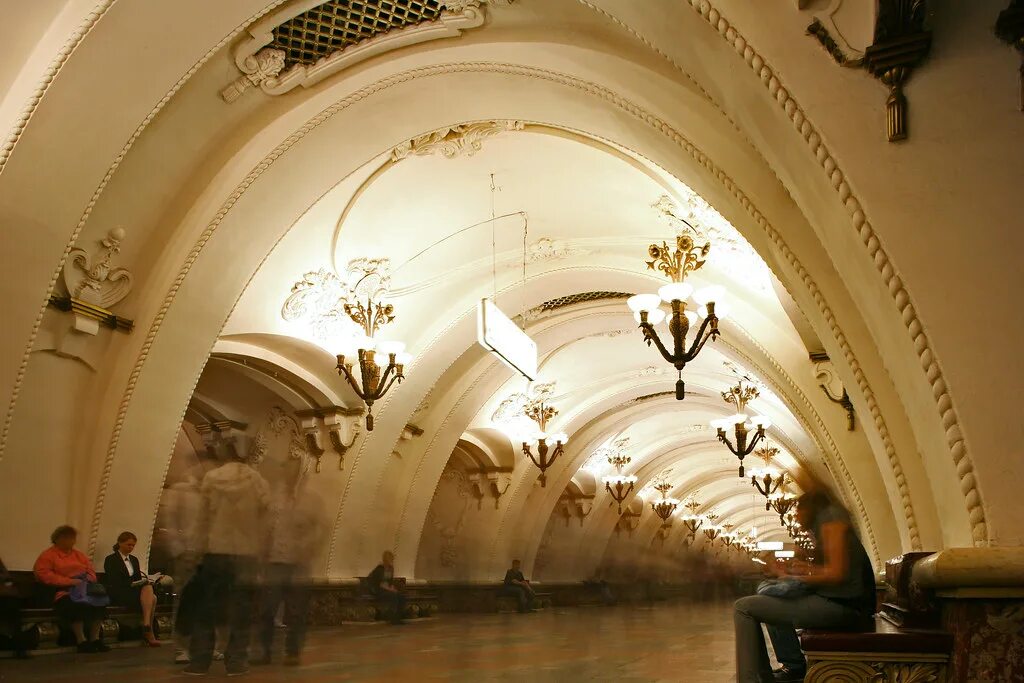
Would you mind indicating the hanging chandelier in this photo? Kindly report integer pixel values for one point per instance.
(664, 506)
(374, 378)
(727, 537)
(767, 480)
(711, 530)
(691, 520)
(791, 524)
(548, 446)
(739, 396)
(782, 503)
(619, 485)
(675, 264)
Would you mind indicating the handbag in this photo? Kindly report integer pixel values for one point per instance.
(89, 593)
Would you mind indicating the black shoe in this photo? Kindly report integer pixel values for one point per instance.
(237, 669)
(786, 675)
(85, 648)
(193, 670)
(98, 646)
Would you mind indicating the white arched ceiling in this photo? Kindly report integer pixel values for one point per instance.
(223, 200)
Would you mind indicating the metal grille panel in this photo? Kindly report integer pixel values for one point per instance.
(583, 297)
(332, 26)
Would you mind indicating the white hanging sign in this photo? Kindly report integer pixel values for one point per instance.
(497, 333)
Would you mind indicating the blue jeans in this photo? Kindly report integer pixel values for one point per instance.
(782, 616)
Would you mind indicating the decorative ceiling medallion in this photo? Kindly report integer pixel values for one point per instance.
(732, 253)
(454, 141)
(318, 300)
(310, 40)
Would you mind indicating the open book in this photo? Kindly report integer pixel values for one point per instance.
(147, 579)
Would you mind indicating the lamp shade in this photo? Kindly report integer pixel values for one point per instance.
(654, 316)
(390, 347)
(403, 358)
(705, 294)
(643, 302)
(675, 291)
(761, 421)
(691, 316)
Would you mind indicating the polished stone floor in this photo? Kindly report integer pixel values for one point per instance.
(663, 642)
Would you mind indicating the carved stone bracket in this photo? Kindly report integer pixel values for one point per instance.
(575, 506)
(833, 387)
(94, 285)
(339, 425)
(268, 68)
(628, 522)
(492, 482)
(221, 434)
(901, 44)
(1010, 30)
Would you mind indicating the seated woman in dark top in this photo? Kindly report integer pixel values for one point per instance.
(128, 586)
(840, 595)
(62, 567)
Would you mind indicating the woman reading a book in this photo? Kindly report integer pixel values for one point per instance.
(128, 586)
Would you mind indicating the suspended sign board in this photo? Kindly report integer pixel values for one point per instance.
(770, 545)
(498, 334)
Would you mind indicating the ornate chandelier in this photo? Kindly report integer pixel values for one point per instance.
(739, 396)
(711, 530)
(727, 537)
(691, 520)
(675, 264)
(767, 480)
(782, 503)
(792, 526)
(374, 379)
(548, 446)
(619, 485)
(664, 506)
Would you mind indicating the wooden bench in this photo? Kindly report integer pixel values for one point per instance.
(509, 603)
(42, 629)
(420, 601)
(904, 645)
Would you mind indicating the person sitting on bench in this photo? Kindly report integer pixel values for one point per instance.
(128, 586)
(837, 593)
(517, 586)
(382, 587)
(62, 567)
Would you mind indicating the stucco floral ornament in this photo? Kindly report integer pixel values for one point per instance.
(318, 300)
(93, 278)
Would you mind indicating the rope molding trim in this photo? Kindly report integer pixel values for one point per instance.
(73, 41)
(381, 85)
(23, 367)
(901, 297)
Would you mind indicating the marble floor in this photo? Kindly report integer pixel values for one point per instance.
(668, 642)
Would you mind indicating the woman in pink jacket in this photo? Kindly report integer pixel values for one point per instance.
(62, 567)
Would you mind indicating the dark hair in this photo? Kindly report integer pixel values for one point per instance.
(814, 501)
(124, 536)
(63, 531)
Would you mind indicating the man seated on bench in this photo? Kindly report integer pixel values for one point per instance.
(836, 593)
(382, 587)
(517, 586)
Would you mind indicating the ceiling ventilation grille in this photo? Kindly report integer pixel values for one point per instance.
(583, 297)
(648, 397)
(332, 26)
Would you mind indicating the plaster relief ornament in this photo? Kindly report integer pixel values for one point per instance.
(264, 65)
(547, 249)
(318, 300)
(92, 278)
(732, 253)
(454, 141)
